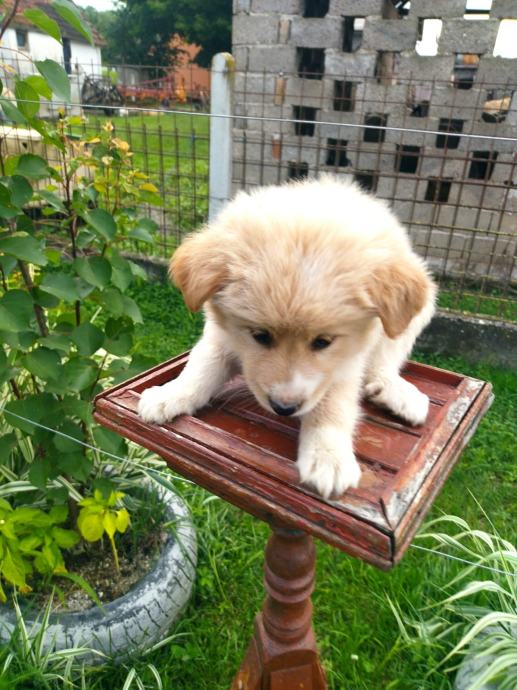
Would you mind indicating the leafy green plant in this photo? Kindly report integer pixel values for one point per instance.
(101, 515)
(66, 318)
(32, 539)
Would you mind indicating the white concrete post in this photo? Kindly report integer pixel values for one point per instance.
(221, 103)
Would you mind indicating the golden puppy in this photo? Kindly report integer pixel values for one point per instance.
(312, 290)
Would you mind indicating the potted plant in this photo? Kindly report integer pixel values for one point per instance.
(66, 329)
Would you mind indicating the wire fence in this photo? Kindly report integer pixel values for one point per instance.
(443, 155)
(442, 152)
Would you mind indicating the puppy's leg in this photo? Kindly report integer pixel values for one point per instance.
(210, 365)
(384, 386)
(326, 459)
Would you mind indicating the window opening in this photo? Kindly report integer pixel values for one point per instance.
(22, 38)
(375, 135)
(496, 106)
(407, 158)
(315, 8)
(311, 62)
(465, 69)
(449, 125)
(336, 153)
(482, 165)
(297, 171)
(429, 31)
(438, 190)
(367, 180)
(303, 112)
(344, 96)
(353, 28)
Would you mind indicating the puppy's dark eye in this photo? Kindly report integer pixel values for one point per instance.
(320, 343)
(262, 337)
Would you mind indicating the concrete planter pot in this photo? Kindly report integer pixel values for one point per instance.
(473, 666)
(141, 617)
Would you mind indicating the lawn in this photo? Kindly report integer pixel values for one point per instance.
(356, 629)
(358, 635)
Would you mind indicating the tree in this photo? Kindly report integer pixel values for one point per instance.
(209, 24)
(140, 31)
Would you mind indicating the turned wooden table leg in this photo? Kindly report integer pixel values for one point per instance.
(282, 654)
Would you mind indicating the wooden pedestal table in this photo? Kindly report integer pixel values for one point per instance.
(238, 451)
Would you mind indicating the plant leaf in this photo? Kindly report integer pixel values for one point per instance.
(56, 78)
(102, 223)
(88, 338)
(25, 247)
(11, 112)
(27, 99)
(39, 85)
(96, 270)
(71, 15)
(90, 525)
(43, 22)
(44, 363)
(32, 166)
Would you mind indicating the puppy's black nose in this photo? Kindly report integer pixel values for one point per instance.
(285, 410)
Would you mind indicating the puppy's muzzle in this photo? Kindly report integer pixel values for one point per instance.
(282, 408)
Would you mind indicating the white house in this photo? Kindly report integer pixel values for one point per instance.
(23, 44)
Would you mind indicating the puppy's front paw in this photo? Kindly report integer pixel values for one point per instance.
(160, 404)
(327, 462)
(400, 397)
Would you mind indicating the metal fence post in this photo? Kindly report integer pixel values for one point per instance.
(221, 101)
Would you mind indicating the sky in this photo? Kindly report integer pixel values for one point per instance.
(98, 4)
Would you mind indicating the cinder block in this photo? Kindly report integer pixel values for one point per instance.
(389, 34)
(355, 8)
(438, 8)
(504, 9)
(241, 6)
(463, 36)
(504, 167)
(344, 127)
(338, 64)
(302, 89)
(241, 55)
(254, 88)
(255, 29)
(272, 59)
(496, 70)
(275, 6)
(444, 96)
(423, 68)
(509, 224)
(316, 33)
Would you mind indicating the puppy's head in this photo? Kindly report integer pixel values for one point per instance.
(297, 293)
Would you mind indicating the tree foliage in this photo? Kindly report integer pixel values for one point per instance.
(140, 31)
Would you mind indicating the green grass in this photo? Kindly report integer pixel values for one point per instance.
(356, 629)
(352, 614)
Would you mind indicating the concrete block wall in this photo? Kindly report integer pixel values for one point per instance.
(458, 219)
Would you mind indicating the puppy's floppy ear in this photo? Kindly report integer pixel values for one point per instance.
(199, 267)
(399, 290)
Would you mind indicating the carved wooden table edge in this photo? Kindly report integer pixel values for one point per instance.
(375, 523)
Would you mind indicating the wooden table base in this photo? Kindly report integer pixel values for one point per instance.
(282, 654)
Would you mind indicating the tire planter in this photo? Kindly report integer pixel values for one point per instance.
(473, 666)
(137, 620)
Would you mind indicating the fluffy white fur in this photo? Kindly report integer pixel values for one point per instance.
(311, 290)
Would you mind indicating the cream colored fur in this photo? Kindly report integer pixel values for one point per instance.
(304, 261)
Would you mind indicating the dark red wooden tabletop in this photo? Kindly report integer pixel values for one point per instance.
(247, 456)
